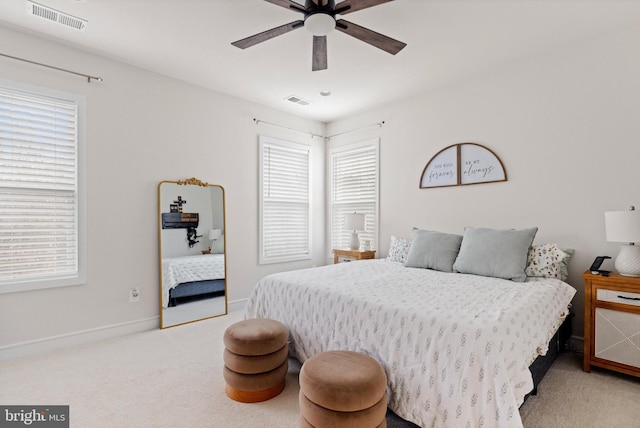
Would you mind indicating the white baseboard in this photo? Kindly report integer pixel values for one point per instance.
(47, 344)
(236, 305)
(576, 344)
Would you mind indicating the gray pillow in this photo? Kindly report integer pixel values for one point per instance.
(494, 252)
(433, 250)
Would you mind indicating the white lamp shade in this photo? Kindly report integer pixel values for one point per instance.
(320, 24)
(215, 234)
(354, 221)
(622, 226)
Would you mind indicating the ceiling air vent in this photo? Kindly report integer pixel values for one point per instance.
(298, 100)
(56, 16)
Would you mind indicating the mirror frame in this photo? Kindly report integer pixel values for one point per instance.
(194, 182)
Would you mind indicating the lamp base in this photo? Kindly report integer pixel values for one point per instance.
(355, 241)
(628, 260)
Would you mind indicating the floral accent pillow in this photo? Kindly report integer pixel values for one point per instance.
(399, 249)
(548, 261)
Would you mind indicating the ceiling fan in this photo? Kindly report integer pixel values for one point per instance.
(320, 20)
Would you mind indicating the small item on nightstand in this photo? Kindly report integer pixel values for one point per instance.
(595, 266)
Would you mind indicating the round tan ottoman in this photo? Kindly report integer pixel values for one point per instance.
(342, 389)
(255, 359)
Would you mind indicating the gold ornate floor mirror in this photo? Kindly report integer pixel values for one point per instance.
(192, 248)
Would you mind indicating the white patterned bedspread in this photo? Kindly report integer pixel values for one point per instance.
(456, 348)
(176, 270)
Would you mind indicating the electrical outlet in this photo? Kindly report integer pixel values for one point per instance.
(134, 294)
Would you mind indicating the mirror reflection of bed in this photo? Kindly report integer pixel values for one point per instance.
(192, 251)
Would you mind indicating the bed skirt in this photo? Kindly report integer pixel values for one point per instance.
(195, 288)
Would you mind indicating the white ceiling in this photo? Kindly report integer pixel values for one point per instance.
(447, 41)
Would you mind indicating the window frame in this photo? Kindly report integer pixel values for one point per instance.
(80, 278)
(294, 146)
(373, 234)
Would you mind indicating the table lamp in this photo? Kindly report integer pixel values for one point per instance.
(354, 222)
(214, 234)
(624, 226)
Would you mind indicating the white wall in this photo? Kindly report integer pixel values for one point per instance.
(564, 124)
(143, 128)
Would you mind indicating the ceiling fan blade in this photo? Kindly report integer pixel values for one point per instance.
(378, 40)
(269, 34)
(288, 4)
(349, 6)
(319, 53)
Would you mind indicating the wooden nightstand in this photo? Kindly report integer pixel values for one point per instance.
(612, 323)
(340, 256)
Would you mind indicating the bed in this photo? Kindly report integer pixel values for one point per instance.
(456, 347)
(191, 276)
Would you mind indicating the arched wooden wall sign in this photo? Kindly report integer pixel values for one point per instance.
(462, 164)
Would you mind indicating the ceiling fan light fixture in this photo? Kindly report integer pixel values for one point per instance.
(320, 24)
(320, 20)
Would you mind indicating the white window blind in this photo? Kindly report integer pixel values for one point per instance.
(284, 197)
(38, 187)
(354, 188)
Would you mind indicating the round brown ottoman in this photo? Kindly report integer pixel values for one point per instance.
(255, 359)
(342, 389)
(305, 424)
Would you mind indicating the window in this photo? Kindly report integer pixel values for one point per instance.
(40, 242)
(284, 201)
(354, 188)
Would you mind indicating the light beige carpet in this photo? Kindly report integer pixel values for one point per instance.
(173, 378)
(569, 397)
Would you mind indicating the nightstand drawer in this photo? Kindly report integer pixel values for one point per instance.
(341, 255)
(617, 337)
(616, 296)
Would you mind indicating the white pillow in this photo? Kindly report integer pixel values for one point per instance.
(548, 261)
(398, 249)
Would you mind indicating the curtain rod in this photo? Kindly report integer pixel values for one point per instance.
(258, 121)
(99, 79)
(356, 129)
